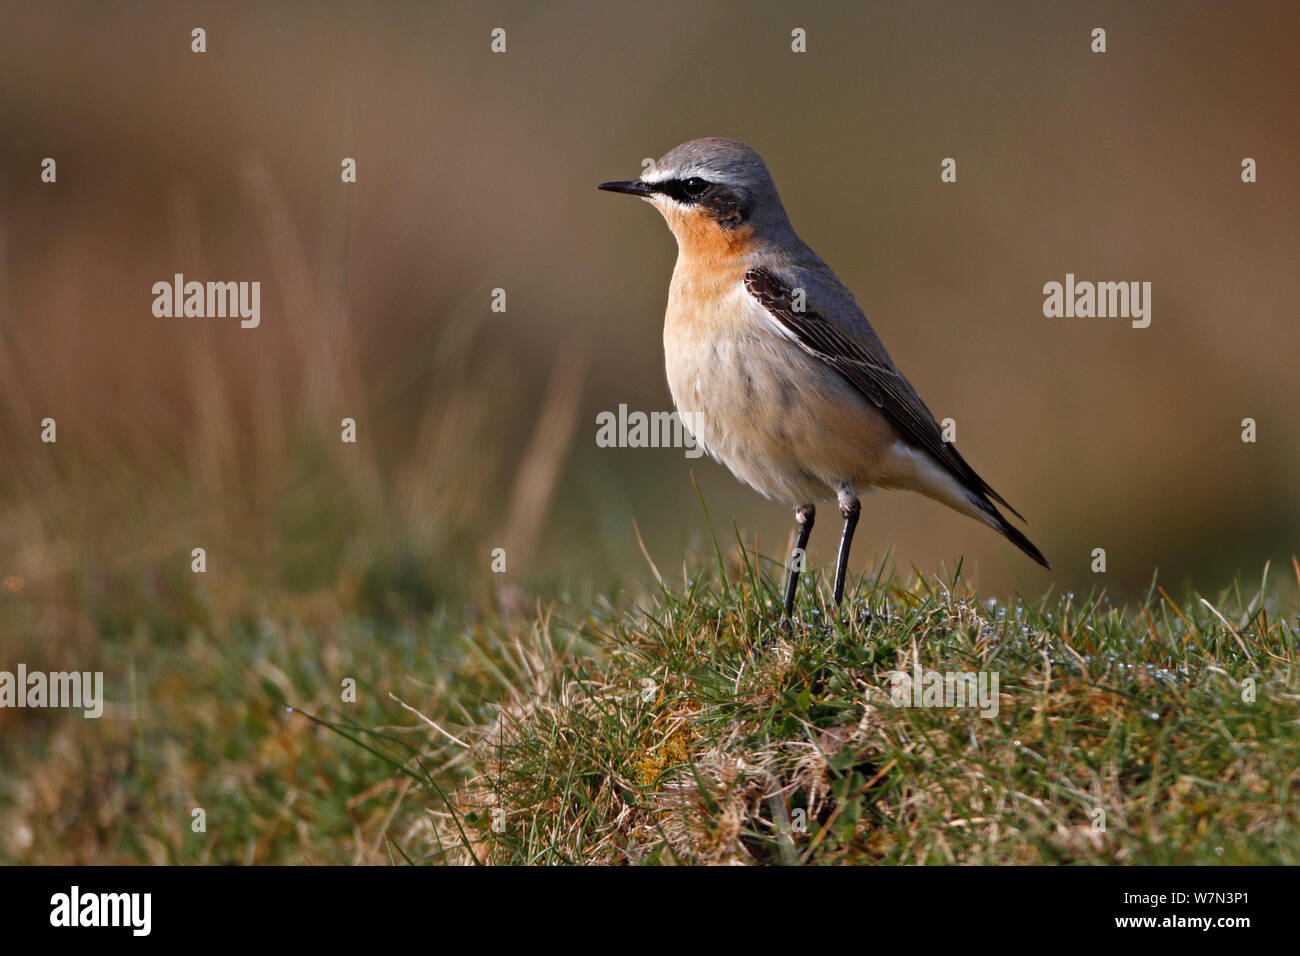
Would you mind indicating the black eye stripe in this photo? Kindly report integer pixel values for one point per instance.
(680, 190)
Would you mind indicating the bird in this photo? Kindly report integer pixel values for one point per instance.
(774, 366)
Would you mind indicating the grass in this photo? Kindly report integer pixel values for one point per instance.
(692, 730)
(687, 727)
(326, 562)
(202, 722)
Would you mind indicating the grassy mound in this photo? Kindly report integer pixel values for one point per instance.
(695, 730)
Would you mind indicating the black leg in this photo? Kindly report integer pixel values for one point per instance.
(850, 509)
(804, 514)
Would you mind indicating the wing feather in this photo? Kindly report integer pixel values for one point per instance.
(873, 375)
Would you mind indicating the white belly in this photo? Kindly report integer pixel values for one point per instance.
(783, 422)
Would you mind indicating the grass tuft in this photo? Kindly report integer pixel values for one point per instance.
(693, 729)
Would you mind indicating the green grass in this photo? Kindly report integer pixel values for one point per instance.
(683, 727)
(693, 730)
(201, 721)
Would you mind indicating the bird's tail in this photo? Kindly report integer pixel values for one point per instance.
(998, 522)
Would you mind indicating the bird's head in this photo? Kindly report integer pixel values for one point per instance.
(716, 194)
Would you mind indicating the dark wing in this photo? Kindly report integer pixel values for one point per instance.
(874, 376)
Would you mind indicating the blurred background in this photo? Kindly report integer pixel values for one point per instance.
(476, 171)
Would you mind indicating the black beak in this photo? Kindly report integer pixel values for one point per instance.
(633, 187)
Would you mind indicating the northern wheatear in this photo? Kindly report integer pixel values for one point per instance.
(775, 368)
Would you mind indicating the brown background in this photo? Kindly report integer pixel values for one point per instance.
(476, 171)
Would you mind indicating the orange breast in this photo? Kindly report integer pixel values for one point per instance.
(706, 245)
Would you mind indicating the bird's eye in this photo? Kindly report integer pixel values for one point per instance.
(694, 186)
